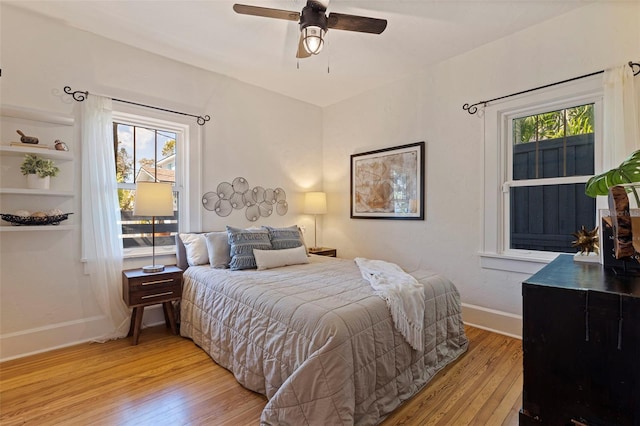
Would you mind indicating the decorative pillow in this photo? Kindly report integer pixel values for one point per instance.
(243, 242)
(285, 238)
(267, 259)
(195, 247)
(218, 248)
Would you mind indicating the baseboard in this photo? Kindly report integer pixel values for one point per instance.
(492, 320)
(43, 339)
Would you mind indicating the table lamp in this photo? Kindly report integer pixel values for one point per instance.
(315, 203)
(153, 199)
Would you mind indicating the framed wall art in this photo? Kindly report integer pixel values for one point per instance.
(388, 183)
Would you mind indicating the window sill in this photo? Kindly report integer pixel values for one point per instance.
(148, 251)
(144, 252)
(523, 262)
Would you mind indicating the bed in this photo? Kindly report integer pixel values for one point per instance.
(315, 340)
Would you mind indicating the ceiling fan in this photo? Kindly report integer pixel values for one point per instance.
(314, 23)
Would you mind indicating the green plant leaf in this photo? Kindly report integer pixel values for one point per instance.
(34, 165)
(627, 172)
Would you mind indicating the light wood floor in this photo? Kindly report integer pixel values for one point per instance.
(167, 380)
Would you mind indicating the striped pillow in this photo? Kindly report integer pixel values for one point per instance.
(242, 242)
(284, 238)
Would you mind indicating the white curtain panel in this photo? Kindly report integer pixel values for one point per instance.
(621, 129)
(101, 246)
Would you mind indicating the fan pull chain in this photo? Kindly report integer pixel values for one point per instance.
(328, 57)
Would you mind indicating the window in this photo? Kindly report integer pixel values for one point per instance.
(540, 150)
(148, 150)
(552, 156)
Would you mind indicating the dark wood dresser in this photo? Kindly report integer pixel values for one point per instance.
(581, 343)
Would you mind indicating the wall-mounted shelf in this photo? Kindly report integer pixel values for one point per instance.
(44, 192)
(47, 127)
(36, 115)
(19, 151)
(39, 228)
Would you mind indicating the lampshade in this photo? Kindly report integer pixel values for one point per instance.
(153, 199)
(313, 39)
(315, 203)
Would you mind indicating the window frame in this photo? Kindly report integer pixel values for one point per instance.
(187, 169)
(495, 250)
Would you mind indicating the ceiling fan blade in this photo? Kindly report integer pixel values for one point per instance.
(302, 52)
(266, 12)
(340, 21)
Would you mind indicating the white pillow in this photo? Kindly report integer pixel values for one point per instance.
(196, 249)
(217, 244)
(267, 259)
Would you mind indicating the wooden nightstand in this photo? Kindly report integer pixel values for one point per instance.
(140, 289)
(324, 251)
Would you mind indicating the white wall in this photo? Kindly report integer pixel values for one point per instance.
(428, 107)
(45, 297)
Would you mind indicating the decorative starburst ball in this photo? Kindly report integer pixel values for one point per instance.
(586, 241)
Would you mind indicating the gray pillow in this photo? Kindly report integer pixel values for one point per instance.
(242, 242)
(218, 249)
(285, 238)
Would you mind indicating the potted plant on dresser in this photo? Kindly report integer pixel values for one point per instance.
(38, 171)
(621, 226)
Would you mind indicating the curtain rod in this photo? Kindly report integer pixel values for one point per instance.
(80, 96)
(472, 109)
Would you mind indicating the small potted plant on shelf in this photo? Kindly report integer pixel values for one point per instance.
(38, 171)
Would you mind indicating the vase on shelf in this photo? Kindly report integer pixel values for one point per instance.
(36, 182)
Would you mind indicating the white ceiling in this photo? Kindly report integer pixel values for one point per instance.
(261, 51)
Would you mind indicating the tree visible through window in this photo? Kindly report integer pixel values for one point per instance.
(148, 155)
(552, 157)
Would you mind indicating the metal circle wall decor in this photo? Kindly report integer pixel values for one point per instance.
(252, 213)
(257, 201)
(209, 200)
(249, 198)
(225, 190)
(265, 209)
(240, 184)
(282, 207)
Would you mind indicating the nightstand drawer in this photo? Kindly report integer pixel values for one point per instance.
(139, 288)
(152, 282)
(324, 251)
(157, 294)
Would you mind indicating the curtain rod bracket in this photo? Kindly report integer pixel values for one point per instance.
(473, 108)
(77, 96)
(80, 96)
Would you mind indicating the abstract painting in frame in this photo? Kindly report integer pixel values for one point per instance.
(388, 183)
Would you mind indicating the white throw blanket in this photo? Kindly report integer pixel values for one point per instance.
(403, 294)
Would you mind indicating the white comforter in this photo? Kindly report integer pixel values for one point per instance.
(316, 340)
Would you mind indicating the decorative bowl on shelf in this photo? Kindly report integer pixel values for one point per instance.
(35, 220)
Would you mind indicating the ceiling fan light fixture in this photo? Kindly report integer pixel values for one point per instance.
(313, 39)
